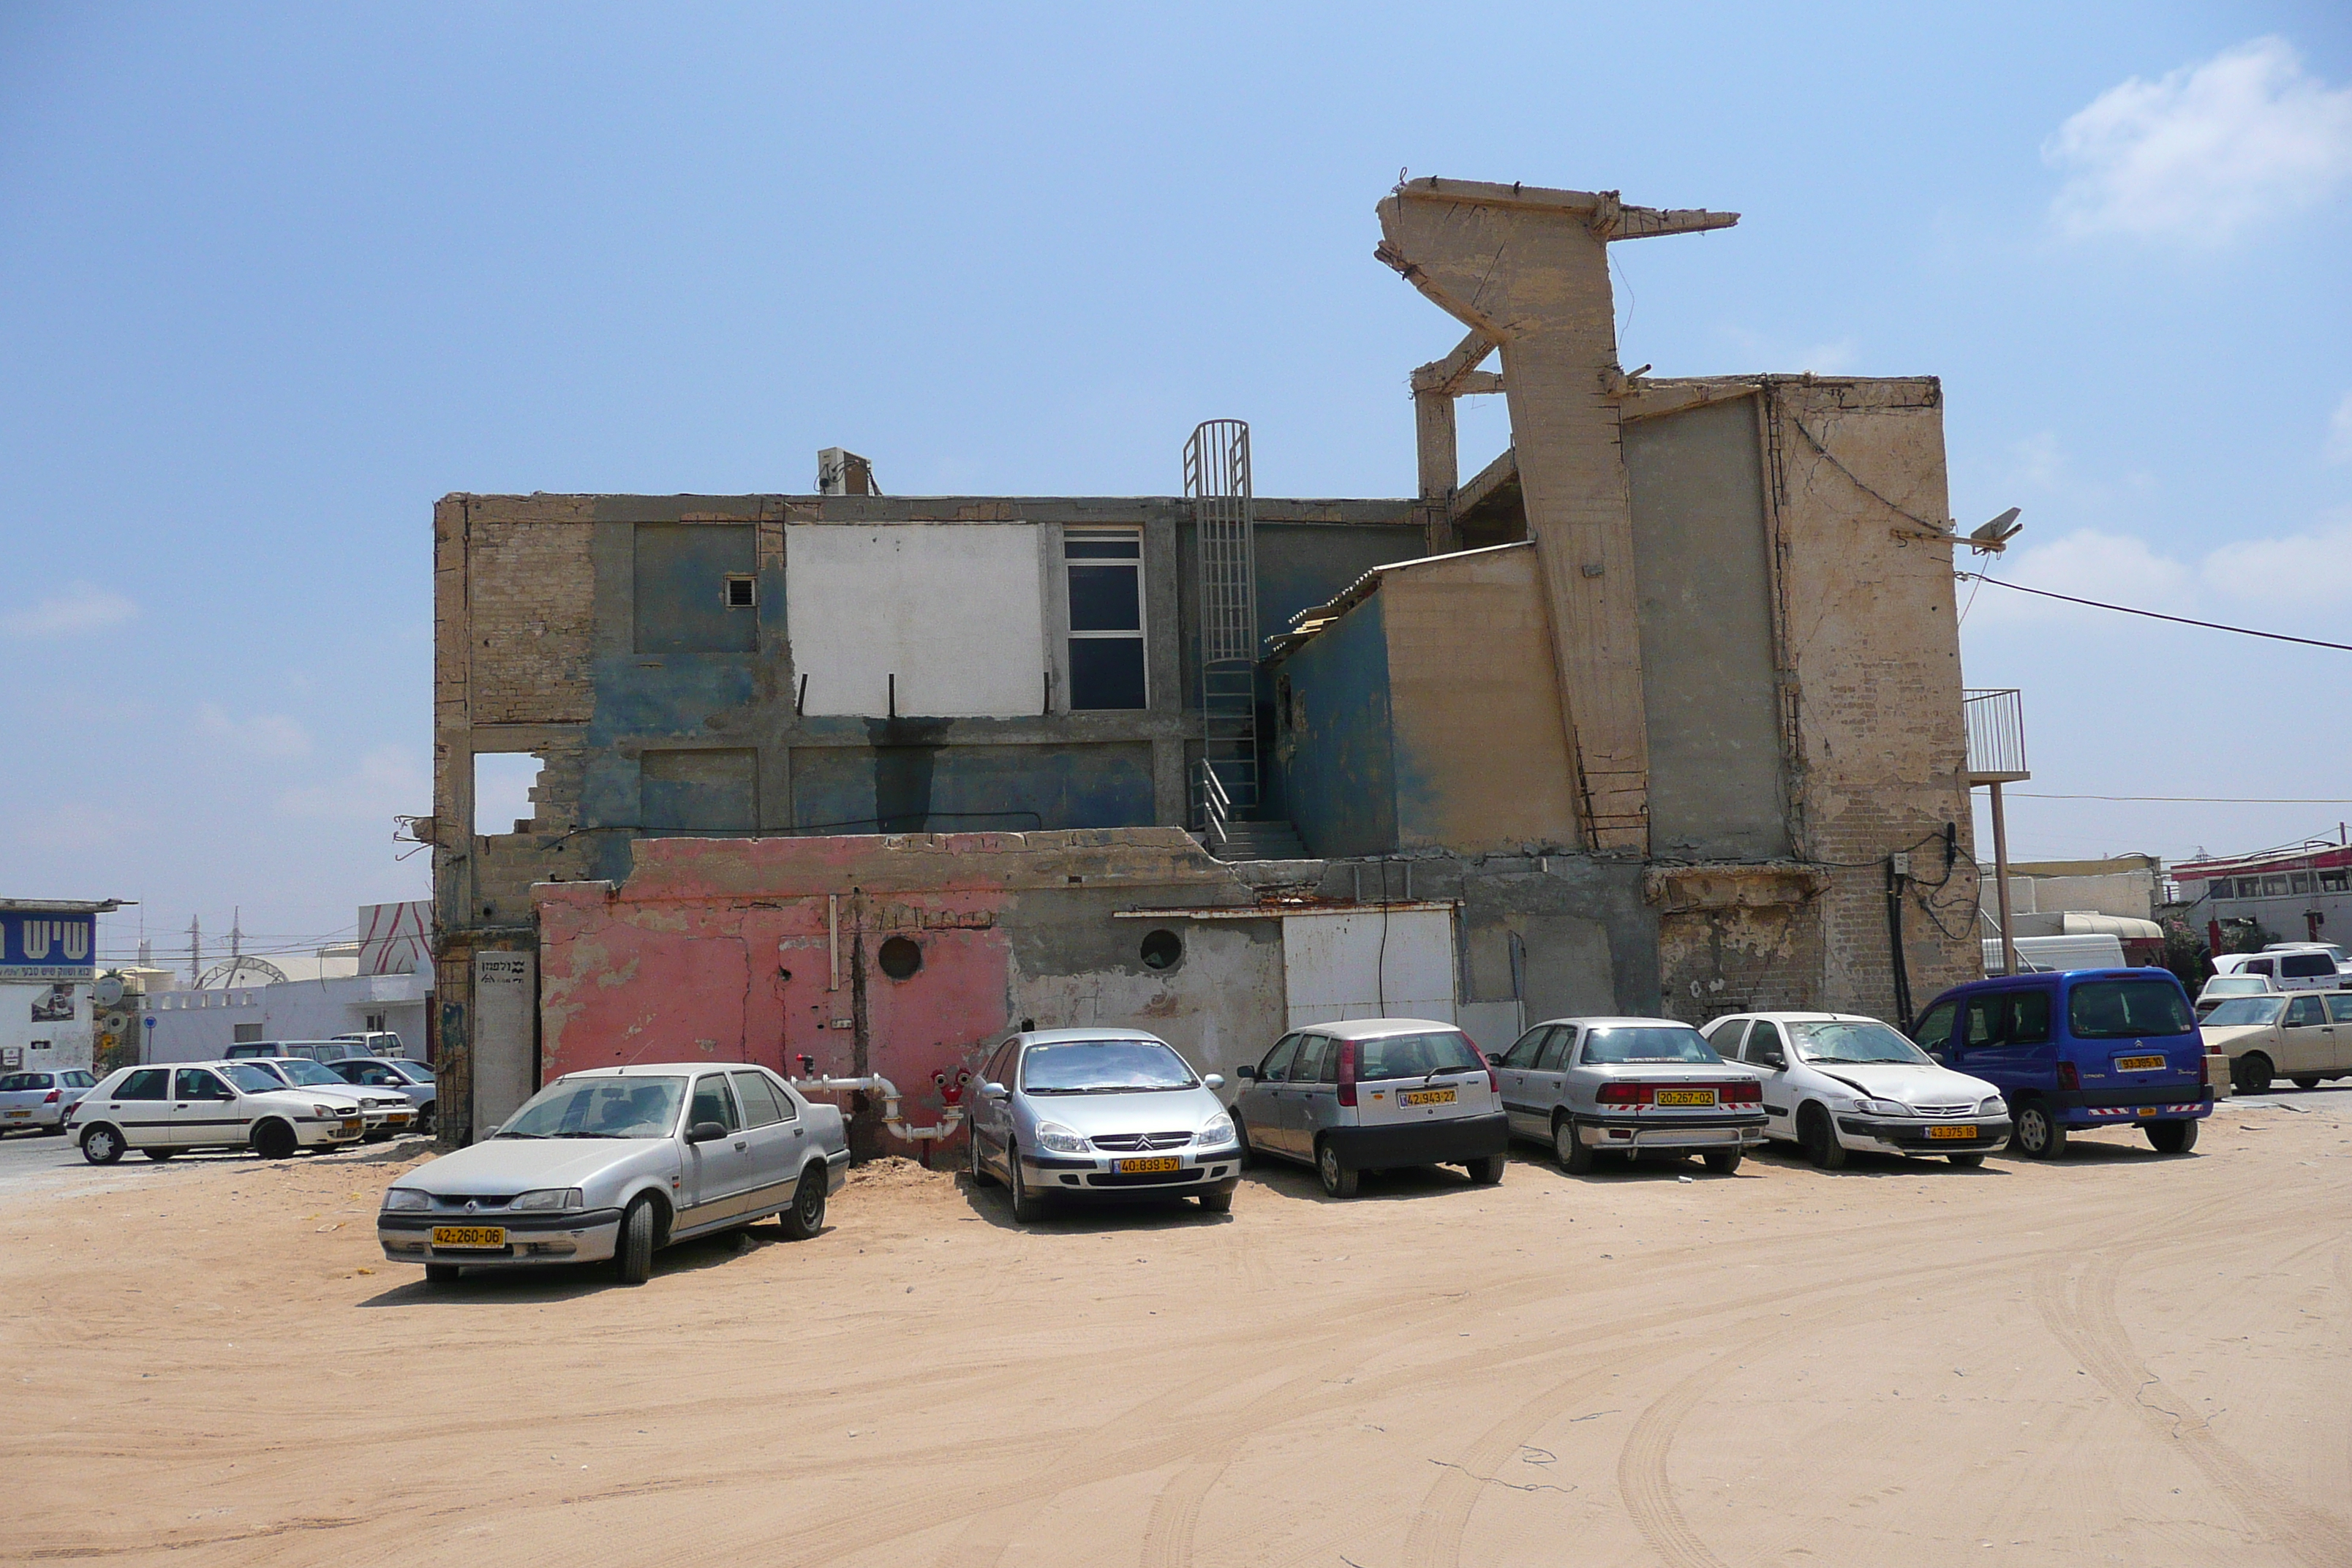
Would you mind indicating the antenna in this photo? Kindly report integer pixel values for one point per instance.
(195, 949)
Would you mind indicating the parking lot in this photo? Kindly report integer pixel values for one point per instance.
(2118, 1358)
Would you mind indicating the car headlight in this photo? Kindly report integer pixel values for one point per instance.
(329, 1111)
(406, 1198)
(1993, 1106)
(1057, 1138)
(1883, 1107)
(1219, 1129)
(551, 1199)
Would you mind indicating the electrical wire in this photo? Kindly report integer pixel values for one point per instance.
(2195, 799)
(2151, 615)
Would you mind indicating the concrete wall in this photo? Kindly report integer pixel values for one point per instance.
(1333, 737)
(1709, 680)
(1481, 757)
(201, 1025)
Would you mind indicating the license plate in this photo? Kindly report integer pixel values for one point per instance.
(1146, 1167)
(1951, 1131)
(2139, 1064)
(1685, 1097)
(468, 1235)
(20, 1113)
(1426, 1097)
(354, 1125)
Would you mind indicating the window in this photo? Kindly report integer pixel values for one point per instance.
(2339, 1007)
(244, 1033)
(2249, 887)
(2261, 966)
(1934, 1030)
(194, 1085)
(1276, 1069)
(1616, 1044)
(2299, 882)
(2305, 965)
(1316, 1060)
(2274, 887)
(147, 1083)
(1105, 568)
(1724, 1035)
(2334, 883)
(713, 1103)
(1988, 1021)
(1415, 1056)
(2028, 1017)
(1555, 1048)
(742, 591)
(1765, 1047)
(2305, 1012)
(1522, 1053)
(2113, 1009)
(761, 1104)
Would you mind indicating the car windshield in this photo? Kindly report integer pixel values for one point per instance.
(2240, 1010)
(1103, 1067)
(300, 1071)
(2112, 1009)
(414, 1072)
(1865, 1040)
(251, 1078)
(1416, 1056)
(2237, 985)
(600, 1107)
(1646, 1043)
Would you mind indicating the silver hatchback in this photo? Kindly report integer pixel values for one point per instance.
(1369, 1094)
(1101, 1113)
(1630, 1087)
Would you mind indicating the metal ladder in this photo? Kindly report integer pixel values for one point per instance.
(1217, 482)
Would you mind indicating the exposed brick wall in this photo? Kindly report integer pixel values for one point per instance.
(1712, 961)
(530, 592)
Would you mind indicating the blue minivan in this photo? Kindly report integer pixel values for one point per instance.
(2088, 1048)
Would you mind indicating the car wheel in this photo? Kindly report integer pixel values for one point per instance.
(1574, 1154)
(1488, 1171)
(159, 1155)
(440, 1274)
(2251, 1074)
(1338, 1176)
(1967, 1162)
(2307, 1083)
(275, 1140)
(2039, 1134)
(101, 1145)
(1027, 1207)
(805, 1217)
(2171, 1137)
(1818, 1139)
(1723, 1162)
(424, 1120)
(1218, 1202)
(633, 1259)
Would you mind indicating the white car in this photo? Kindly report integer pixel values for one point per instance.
(388, 1110)
(1836, 1081)
(166, 1111)
(2306, 1037)
(2293, 969)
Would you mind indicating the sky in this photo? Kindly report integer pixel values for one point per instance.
(273, 278)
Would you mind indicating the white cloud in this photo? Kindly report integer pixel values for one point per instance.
(2339, 433)
(80, 607)
(2294, 569)
(2311, 565)
(387, 782)
(263, 735)
(2206, 152)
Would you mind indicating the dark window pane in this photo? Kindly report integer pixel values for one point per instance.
(147, 1083)
(1103, 549)
(1104, 599)
(1106, 672)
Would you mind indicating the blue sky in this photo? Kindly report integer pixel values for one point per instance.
(272, 280)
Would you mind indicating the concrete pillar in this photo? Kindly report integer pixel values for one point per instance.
(1529, 269)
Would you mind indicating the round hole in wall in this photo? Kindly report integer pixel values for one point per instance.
(1163, 949)
(900, 958)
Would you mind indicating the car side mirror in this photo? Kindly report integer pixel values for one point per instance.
(1246, 1072)
(994, 1091)
(1936, 1057)
(705, 1132)
(1214, 1080)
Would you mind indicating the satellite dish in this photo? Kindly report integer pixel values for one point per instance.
(107, 991)
(1994, 536)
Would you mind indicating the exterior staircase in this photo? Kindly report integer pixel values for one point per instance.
(1256, 841)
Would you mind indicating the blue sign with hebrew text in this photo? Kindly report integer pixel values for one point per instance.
(40, 944)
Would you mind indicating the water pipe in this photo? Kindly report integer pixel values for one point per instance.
(874, 1083)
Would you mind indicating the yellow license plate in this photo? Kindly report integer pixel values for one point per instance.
(356, 1124)
(468, 1235)
(1685, 1097)
(1146, 1167)
(1951, 1131)
(1426, 1097)
(2139, 1064)
(20, 1113)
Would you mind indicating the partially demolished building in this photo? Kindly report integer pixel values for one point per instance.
(1661, 711)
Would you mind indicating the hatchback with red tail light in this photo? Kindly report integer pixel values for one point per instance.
(1371, 1094)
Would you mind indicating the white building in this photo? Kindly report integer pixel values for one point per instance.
(392, 991)
(48, 967)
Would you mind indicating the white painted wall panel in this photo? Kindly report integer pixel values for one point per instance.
(1369, 963)
(956, 611)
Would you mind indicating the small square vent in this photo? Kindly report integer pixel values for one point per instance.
(742, 591)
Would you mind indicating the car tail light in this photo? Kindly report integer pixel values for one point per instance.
(1743, 1092)
(2204, 1070)
(1347, 1072)
(1494, 1079)
(1623, 1094)
(2068, 1077)
(50, 1098)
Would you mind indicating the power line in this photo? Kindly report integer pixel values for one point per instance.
(2156, 615)
(2191, 799)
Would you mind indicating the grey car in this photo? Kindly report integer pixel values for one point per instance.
(40, 1099)
(1373, 1094)
(1631, 1086)
(617, 1163)
(394, 1074)
(1101, 1113)
(388, 1111)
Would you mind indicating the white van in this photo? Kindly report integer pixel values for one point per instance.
(2055, 953)
(2307, 969)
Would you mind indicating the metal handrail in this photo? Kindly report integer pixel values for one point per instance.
(1217, 807)
(1995, 731)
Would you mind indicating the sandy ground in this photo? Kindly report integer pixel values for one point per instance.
(2119, 1359)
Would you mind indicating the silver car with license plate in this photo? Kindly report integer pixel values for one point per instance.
(1101, 1114)
(41, 1098)
(616, 1163)
(1374, 1094)
(1590, 1087)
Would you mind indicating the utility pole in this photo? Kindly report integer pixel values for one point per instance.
(195, 949)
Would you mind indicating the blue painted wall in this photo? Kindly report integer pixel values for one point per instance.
(904, 785)
(1340, 779)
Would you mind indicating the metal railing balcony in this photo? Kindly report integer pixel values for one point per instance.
(1996, 722)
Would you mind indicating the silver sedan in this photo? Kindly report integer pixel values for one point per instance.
(1630, 1087)
(1101, 1113)
(617, 1163)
